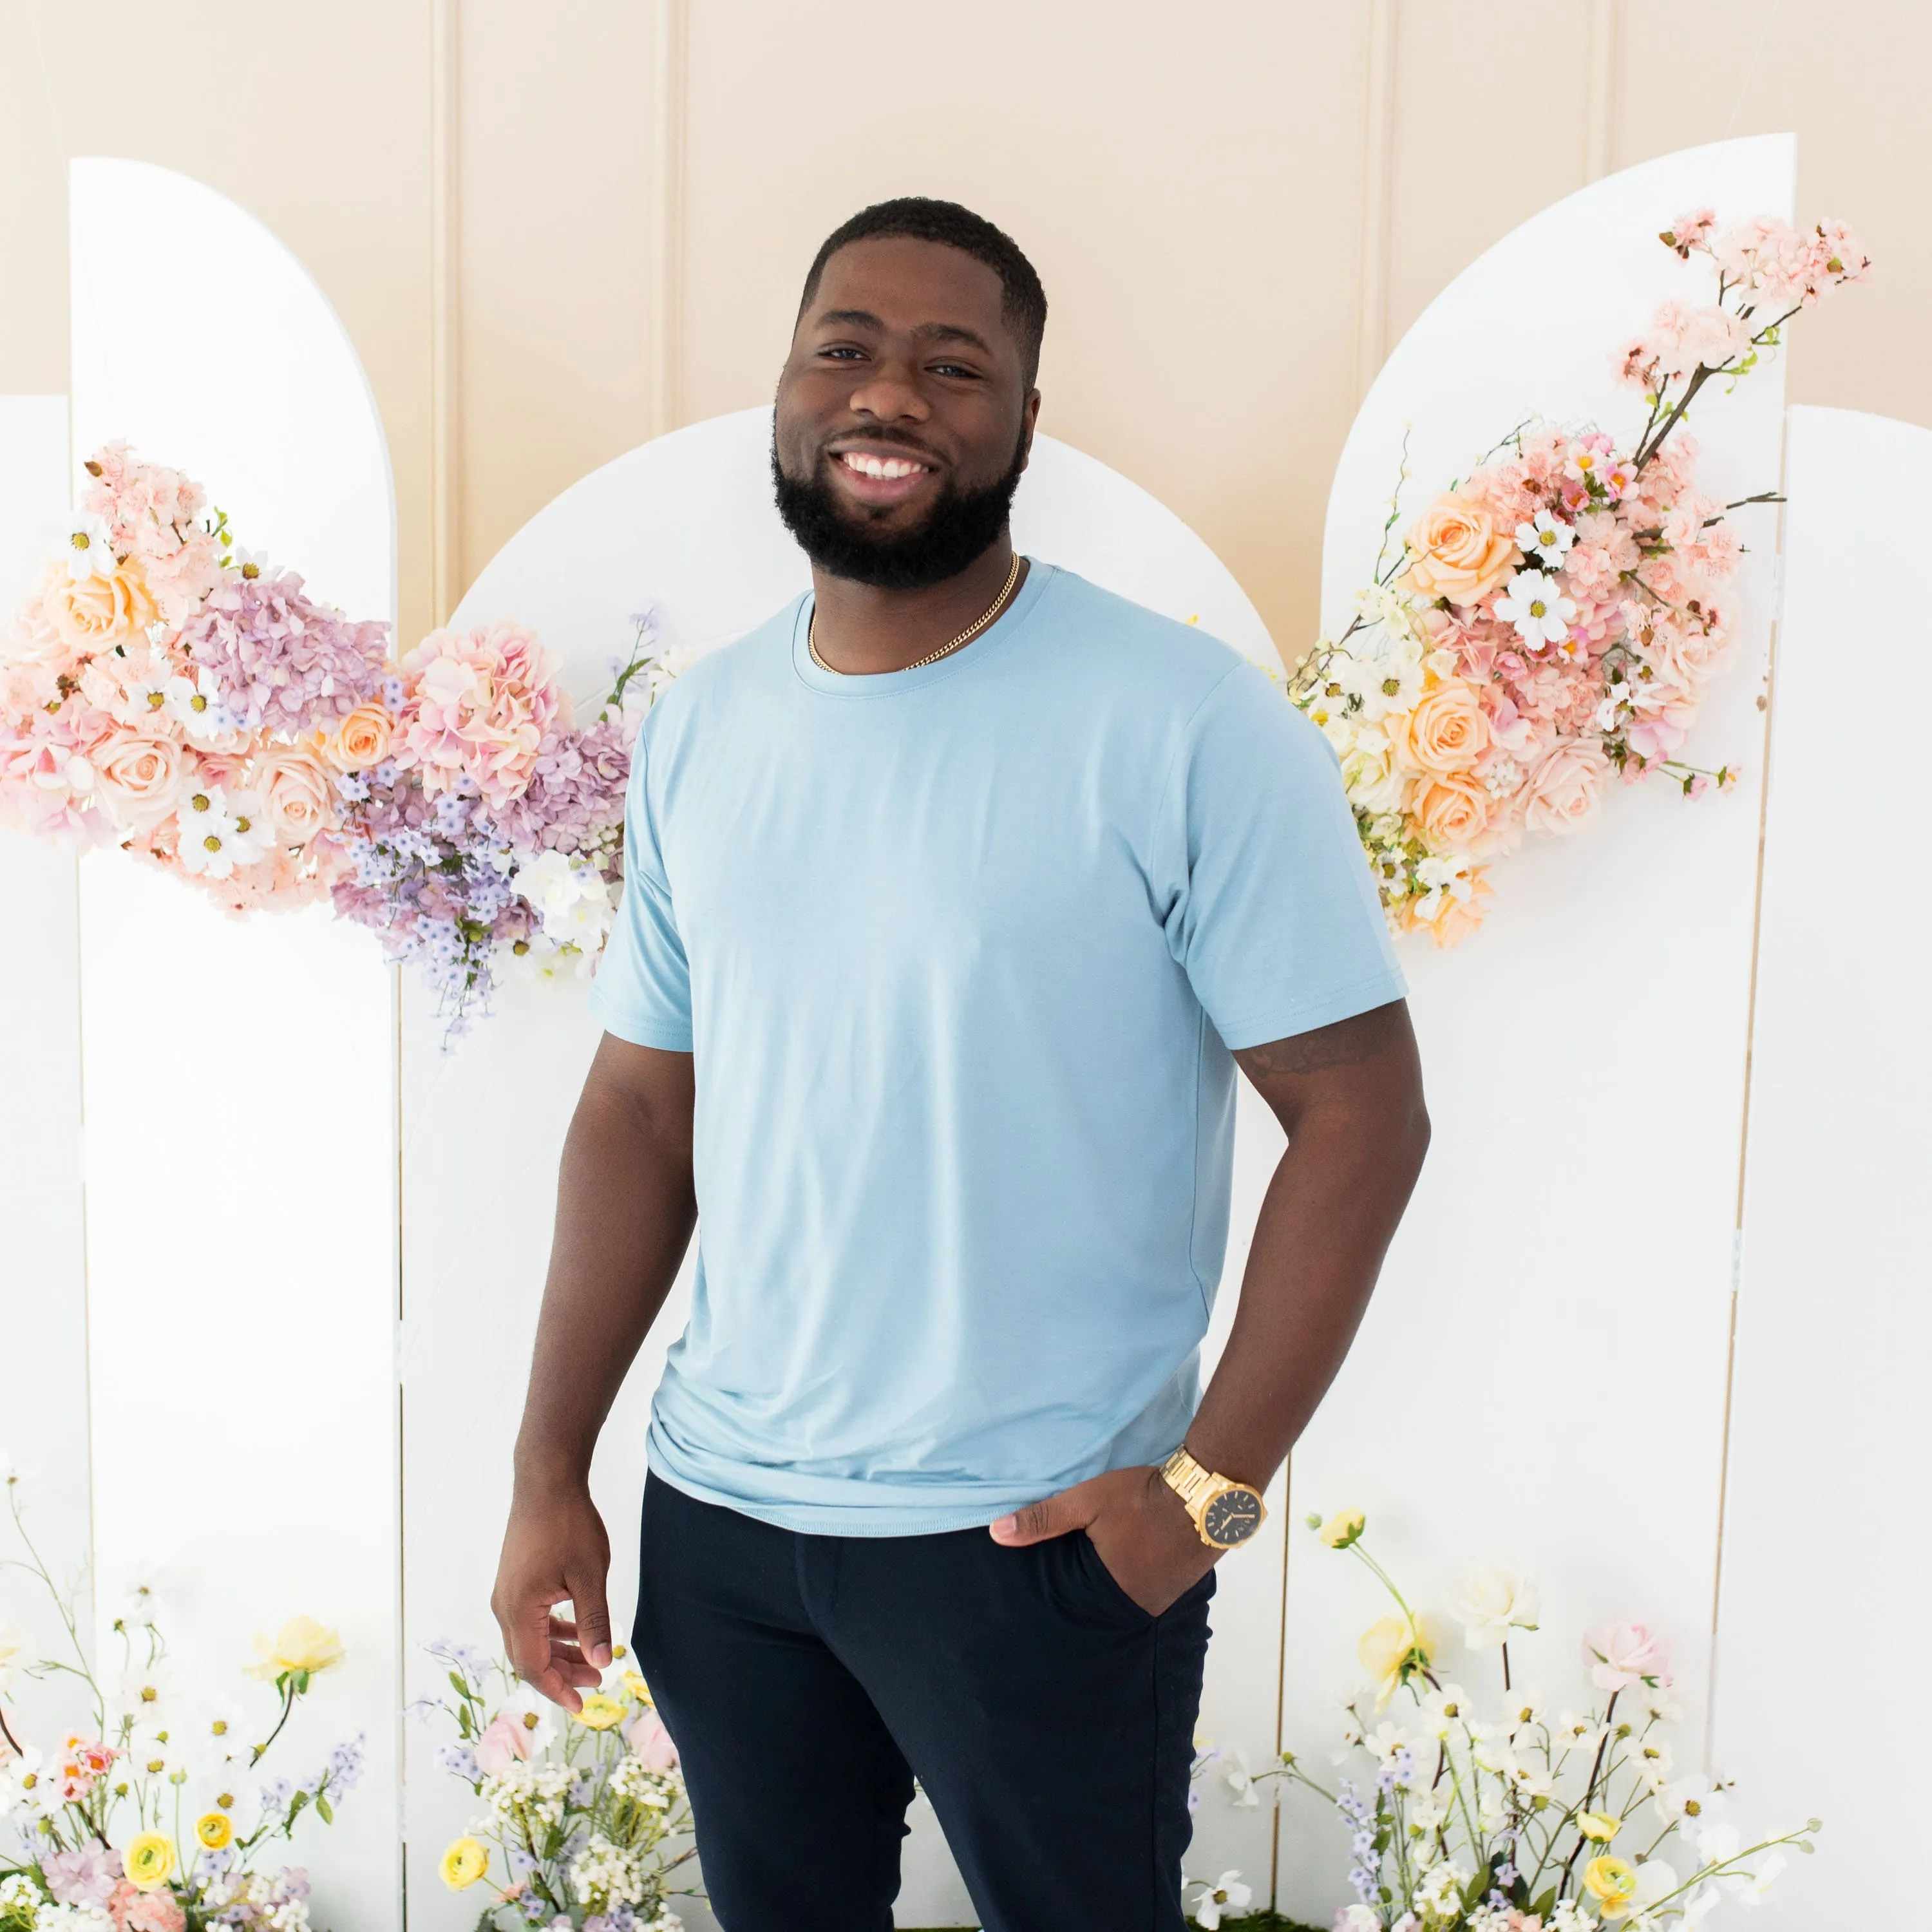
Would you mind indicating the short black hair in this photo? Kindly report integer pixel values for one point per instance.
(1023, 302)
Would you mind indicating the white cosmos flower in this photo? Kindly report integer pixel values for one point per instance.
(1490, 1600)
(1751, 1891)
(1227, 1893)
(1548, 535)
(1383, 681)
(1241, 1781)
(1445, 1710)
(1535, 606)
(213, 840)
(1655, 1879)
(197, 705)
(88, 550)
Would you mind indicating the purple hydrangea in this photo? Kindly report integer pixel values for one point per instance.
(575, 802)
(284, 662)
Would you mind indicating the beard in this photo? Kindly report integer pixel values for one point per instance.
(958, 529)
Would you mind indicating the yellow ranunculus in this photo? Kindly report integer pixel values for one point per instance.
(1393, 1650)
(301, 1648)
(464, 1864)
(1343, 1528)
(215, 1829)
(1601, 1827)
(148, 1861)
(1613, 1884)
(601, 1712)
(635, 1688)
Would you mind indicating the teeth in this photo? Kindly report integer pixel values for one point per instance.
(880, 466)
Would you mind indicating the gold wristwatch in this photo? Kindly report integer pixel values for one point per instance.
(1225, 1513)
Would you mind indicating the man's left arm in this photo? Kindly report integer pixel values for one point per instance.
(1349, 1097)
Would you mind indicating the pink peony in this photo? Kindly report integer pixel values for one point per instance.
(504, 1742)
(1621, 1654)
(133, 1911)
(651, 1743)
(479, 704)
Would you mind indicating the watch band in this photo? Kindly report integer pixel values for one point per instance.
(1197, 1487)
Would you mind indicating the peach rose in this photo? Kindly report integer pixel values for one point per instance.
(361, 740)
(1452, 810)
(137, 777)
(299, 791)
(1446, 732)
(91, 613)
(1456, 551)
(1564, 784)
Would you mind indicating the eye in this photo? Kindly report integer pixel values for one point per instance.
(955, 369)
(843, 351)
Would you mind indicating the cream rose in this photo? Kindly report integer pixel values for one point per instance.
(361, 740)
(1369, 772)
(1446, 732)
(1456, 551)
(92, 613)
(1452, 810)
(299, 791)
(137, 776)
(1563, 784)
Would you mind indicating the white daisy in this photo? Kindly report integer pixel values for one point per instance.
(1227, 1893)
(1534, 604)
(197, 705)
(88, 551)
(1548, 536)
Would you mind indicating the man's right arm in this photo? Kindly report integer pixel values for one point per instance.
(626, 1205)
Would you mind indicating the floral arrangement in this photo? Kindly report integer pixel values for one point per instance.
(1520, 1819)
(166, 692)
(585, 1811)
(140, 1818)
(1553, 620)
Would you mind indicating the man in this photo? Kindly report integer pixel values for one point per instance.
(955, 894)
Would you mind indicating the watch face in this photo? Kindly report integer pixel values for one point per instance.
(1233, 1517)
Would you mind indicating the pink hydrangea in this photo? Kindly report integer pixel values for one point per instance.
(155, 513)
(284, 663)
(478, 705)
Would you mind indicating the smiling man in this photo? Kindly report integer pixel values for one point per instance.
(955, 895)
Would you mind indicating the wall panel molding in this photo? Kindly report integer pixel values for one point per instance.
(1600, 94)
(664, 344)
(1378, 185)
(445, 330)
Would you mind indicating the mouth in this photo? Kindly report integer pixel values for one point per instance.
(879, 475)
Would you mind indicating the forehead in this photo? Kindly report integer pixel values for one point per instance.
(908, 284)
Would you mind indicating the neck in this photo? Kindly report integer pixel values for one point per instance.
(865, 630)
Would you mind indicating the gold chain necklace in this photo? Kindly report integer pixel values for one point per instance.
(965, 637)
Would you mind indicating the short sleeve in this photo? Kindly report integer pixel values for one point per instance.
(1269, 902)
(642, 992)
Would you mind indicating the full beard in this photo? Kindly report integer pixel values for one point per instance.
(959, 530)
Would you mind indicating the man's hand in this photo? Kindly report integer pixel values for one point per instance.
(1141, 1528)
(555, 1551)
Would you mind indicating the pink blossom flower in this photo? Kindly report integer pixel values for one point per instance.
(1690, 231)
(154, 513)
(651, 1743)
(503, 1743)
(1621, 1654)
(133, 1911)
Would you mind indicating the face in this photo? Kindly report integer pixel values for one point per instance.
(903, 422)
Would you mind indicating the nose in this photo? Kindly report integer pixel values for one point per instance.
(890, 394)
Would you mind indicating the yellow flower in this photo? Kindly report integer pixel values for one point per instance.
(1601, 1827)
(301, 1648)
(1613, 1884)
(1393, 1650)
(635, 1688)
(215, 1830)
(1343, 1528)
(464, 1864)
(148, 1861)
(601, 1712)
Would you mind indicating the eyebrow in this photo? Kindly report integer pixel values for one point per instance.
(926, 331)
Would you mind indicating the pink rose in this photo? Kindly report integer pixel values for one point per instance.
(299, 791)
(137, 776)
(651, 1743)
(1621, 1654)
(503, 1743)
(1564, 785)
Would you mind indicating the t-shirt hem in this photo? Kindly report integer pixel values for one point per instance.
(1304, 1016)
(859, 1519)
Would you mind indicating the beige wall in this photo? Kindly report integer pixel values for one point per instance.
(1235, 210)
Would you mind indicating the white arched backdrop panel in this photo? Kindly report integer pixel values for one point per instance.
(1543, 1372)
(687, 522)
(239, 1089)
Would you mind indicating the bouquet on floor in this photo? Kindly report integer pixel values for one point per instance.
(584, 1819)
(167, 693)
(1551, 622)
(1506, 1816)
(147, 1815)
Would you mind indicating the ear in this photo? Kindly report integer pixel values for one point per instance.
(1029, 421)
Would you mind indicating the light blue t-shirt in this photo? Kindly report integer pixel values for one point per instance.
(961, 952)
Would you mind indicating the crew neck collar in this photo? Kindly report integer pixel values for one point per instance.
(891, 683)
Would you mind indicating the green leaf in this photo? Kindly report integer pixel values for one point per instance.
(323, 1809)
(1543, 1907)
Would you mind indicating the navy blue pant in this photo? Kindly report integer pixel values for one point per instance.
(806, 1680)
